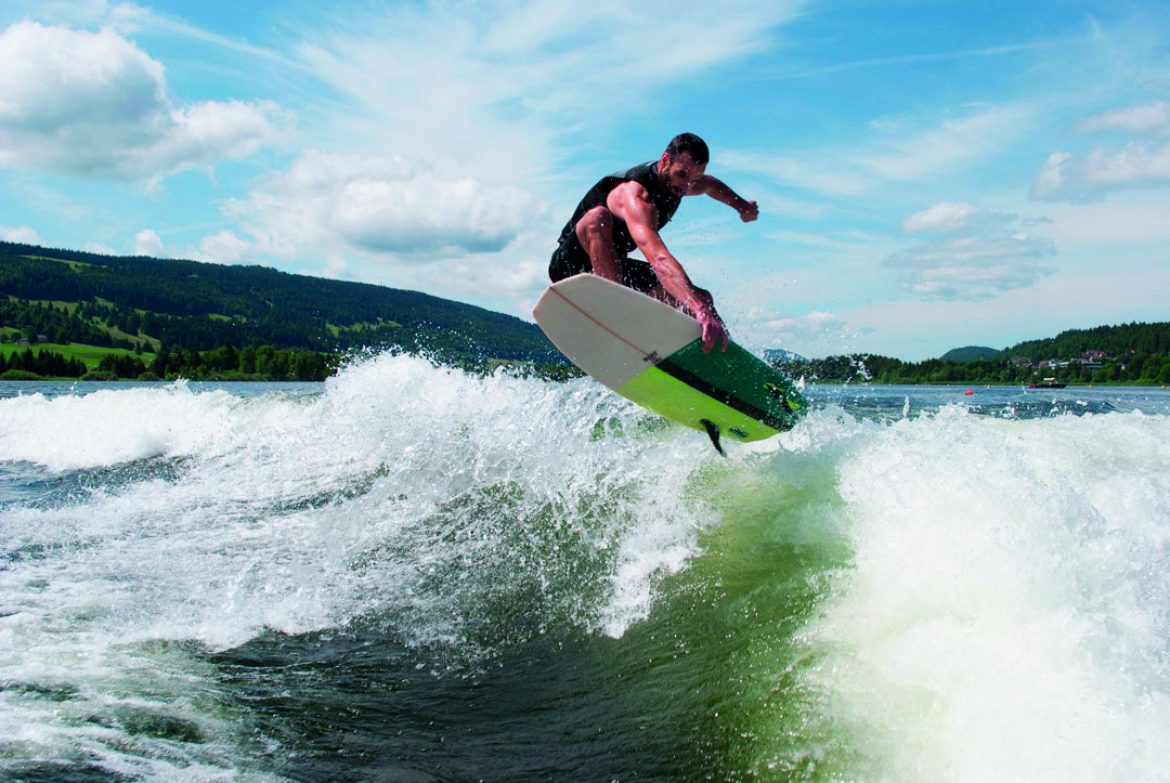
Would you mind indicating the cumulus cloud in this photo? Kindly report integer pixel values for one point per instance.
(972, 268)
(1065, 177)
(942, 217)
(99, 248)
(224, 247)
(384, 206)
(95, 105)
(977, 254)
(769, 328)
(147, 243)
(20, 234)
(1142, 162)
(949, 217)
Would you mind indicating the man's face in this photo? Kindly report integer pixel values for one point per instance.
(680, 172)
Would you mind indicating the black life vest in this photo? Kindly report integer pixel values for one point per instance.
(664, 199)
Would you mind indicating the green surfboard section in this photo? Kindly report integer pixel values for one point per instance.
(741, 395)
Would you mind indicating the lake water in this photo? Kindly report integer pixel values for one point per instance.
(412, 574)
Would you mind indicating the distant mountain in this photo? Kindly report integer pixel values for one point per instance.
(779, 356)
(189, 305)
(969, 353)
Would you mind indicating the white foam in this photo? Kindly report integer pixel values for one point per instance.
(1006, 616)
(404, 492)
(300, 513)
(110, 426)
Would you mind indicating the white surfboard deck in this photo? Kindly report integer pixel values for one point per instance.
(648, 352)
(612, 332)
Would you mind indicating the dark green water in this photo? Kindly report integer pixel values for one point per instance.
(695, 692)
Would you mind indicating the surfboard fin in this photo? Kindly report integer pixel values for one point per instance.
(713, 434)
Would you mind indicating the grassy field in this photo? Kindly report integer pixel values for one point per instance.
(89, 354)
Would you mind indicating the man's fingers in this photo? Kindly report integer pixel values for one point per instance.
(714, 332)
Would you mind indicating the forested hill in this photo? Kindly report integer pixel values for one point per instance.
(189, 305)
(1135, 338)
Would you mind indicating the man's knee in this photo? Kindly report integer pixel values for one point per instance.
(594, 225)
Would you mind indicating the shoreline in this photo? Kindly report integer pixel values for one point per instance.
(962, 388)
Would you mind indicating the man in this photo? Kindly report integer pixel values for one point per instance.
(627, 210)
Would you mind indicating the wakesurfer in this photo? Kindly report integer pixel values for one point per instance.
(627, 210)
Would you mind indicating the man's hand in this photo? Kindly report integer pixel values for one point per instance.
(748, 211)
(709, 321)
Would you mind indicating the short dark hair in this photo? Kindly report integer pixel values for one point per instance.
(691, 144)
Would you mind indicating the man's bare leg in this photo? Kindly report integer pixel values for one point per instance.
(595, 232)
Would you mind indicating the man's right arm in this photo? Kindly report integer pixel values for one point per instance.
(631, 202)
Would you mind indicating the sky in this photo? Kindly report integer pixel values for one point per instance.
(929, 175)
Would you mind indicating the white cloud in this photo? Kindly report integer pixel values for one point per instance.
(942, 217)
(948, 217)
(21, 234)
(456, 119)
(765, 328)
(1146, 118)
(1140, 163)
(1127, 226)
(336, 269)
(224, 247)
(147, 243)
(100, 249)
(891, 153)
(383, 206)
(821, 241)
(95, 105)
(954, 143)
(500, 85)
(979, 255)
(1065, 177)
(821, 171)
(972, 268)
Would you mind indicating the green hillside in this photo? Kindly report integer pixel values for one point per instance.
(153, 305)
(1075, 343)
(1137, 354)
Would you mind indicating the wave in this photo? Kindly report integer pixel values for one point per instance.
(948, 593)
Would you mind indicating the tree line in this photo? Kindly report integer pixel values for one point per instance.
(1132, 338)
(1134, 368)
(226, 363)
(47, 364)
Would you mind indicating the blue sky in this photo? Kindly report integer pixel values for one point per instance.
(930, 175)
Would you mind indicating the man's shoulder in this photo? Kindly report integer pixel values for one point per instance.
(637, 172)
(631, 187)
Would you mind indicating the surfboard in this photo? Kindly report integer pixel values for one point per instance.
(651, 353)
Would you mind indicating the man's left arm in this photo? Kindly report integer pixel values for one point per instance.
(721, 192)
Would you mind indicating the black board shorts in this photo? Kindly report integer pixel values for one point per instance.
(571, 259)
